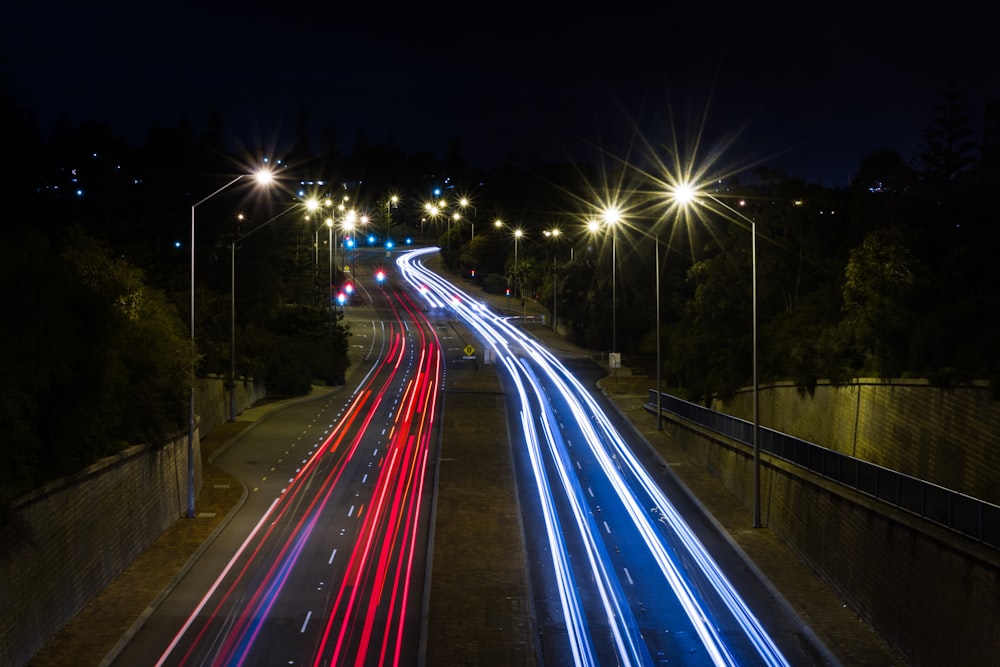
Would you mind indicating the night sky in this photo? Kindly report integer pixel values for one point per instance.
(810, 91)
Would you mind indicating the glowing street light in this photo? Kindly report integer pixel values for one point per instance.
(554, 234)
(434, 210)
(391, 201)
(351, 223)
(455, 217)
(518, 233)
(610, 217)
(680, 196)
(756, 384)
(232, 305)
(329, 252)
(263, 177)
(464, 203)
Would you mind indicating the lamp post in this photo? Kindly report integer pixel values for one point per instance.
(329, 297)
(756, 385)
(263, 177)
(554, 235)
(232, 309)
(393, 201)
(434, 210)
(612, 217)
(342, 207)
(499, 224)
(464, 203)
(681, 195)
(350, 224)
(518, 233)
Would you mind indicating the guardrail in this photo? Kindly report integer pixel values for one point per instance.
(960, 513)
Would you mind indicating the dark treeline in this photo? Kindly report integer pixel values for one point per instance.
(891, 277)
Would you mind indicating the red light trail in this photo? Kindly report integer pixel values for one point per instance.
(366, 619)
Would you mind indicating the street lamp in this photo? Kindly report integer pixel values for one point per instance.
(350, 224)
(434, 209)
(232, 309)
(681, 195)
(464, 203)
(554, 235)
(342, 207)
(756, 385)
(518, 233)
(500, 224)
(329, 297)
(263, 177)
(393, 200)
(612, 217)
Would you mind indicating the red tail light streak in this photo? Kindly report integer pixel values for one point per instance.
(375, 473)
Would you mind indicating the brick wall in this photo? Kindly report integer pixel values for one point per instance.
(68, 540)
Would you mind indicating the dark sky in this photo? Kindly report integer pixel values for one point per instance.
(810, 90)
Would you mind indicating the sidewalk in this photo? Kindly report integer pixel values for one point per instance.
(93, 636)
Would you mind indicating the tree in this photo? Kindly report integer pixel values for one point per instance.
(93, 359)
(947, 147)
(878, 286)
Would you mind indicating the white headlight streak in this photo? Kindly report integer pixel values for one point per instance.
(633, 507)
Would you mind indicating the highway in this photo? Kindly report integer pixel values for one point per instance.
(619, 577)
(325, 562)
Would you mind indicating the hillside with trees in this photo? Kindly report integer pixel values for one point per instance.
(891, 277)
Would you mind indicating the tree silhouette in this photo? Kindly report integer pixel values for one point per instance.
(947, 147)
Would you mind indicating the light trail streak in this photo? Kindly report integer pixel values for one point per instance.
(379, 567)
(652, 517)
(390, 525)
(581, 645)
(214, 587)
(628, 639)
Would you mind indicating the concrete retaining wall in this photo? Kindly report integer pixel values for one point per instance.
(70, 539)
(950, 437)
(933, 594)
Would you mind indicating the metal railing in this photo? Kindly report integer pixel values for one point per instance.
(960, 513)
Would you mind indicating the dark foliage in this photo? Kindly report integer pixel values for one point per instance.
(890, 277)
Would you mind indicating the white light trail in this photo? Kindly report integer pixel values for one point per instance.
(652, 515)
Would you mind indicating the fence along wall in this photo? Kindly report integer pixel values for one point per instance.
(70, 539)
(933, 594)
(950, 437)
